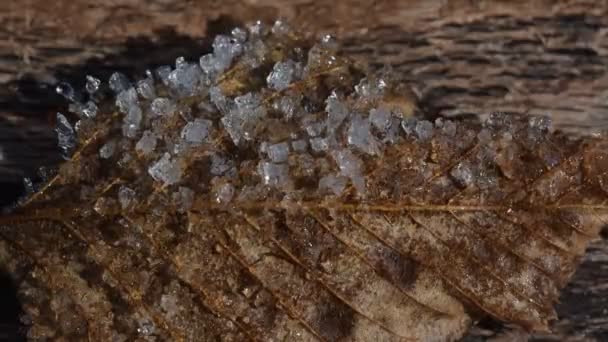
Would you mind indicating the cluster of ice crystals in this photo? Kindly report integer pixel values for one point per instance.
(297, 135)
(350, 166)
(197, 131)
(66, 137)
(278, 153)
(92, 84)
(360, 136)
(225, 48)
(107, 150)
(282, 74)
(147, 143)
(162, 106)
(166, 170)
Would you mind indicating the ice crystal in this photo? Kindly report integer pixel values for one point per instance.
(66, 137)
(147, 143)
(166, 170)
(197, 131)
(283, 73)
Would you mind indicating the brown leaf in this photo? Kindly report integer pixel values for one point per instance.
(381, 227)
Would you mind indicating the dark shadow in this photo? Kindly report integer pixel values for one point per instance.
(11, 328)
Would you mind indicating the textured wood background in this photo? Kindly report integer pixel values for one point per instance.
(460, 57)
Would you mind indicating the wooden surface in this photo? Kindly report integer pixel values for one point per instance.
(460, 57)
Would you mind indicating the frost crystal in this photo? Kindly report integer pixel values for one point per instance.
(336, 112)
(299, 145)
(239, 34)
(126, 197)
(462, 174)
(370, 88)
(424, 129)
(289, 105)
(184, 80)
(222, 103)
(147, 143)
(119, 82)
(224, 50)
(255, 53)
(65, 89)
(283, 73)
(224, 193)
(241, 121)
(274, 174)
(28, 186)
(312, 126)
(166, 170)
(351, 167)
(92, 84)
(163, 73)
(278, 153)
(162, 106)
(145, 88)
(319, 144)
(132, 122)
(127, 99)
(380, 118)
(66, 137)
(359, 135)
(220, 165)
(89, 109)
(107, 150)
(280, 27)
(257, 29)
(197, 131)
(183, 198)
(333, 183)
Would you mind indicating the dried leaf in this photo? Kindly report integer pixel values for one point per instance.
(315, 209)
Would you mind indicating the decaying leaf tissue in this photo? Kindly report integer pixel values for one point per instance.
(277, 192)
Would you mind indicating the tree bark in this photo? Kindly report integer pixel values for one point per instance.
(459, 57)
